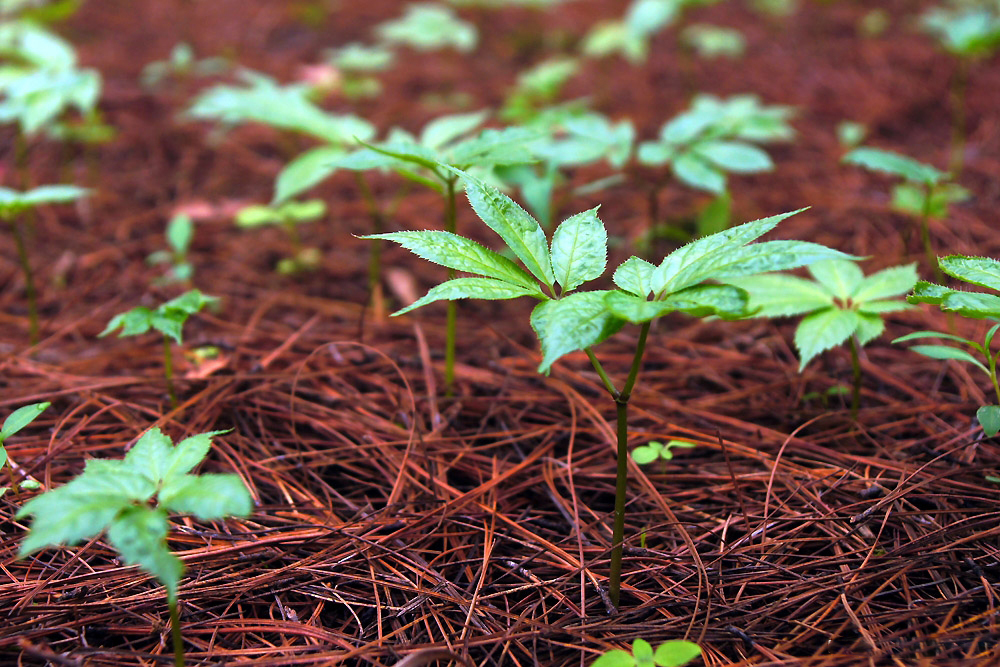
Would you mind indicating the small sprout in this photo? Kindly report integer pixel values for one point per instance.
(710, 41)
(288, 215)
(355, 64)
(850, 134)
(981, 272)
(182, 64)
(658, 451)
(131, 500)
(536, 88)
(669, 654)
(839, 305)
(630, 36)
(427, 27)
(180, 232)
(15, 422)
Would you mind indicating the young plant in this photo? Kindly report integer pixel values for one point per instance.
(427, 27)
(839, 305)
(711, 41)
(537, 88)
(924, 194)
(13, 205)
(981, 272)
(566, 321)
(356, 63)
(668, 654)
(658, 452)
(288, 215)
(16, 421)
(168, 319)
(630, 36)
(183, 64)
(131, 500)
(180, 231)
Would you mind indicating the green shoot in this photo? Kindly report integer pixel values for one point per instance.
(840, 305)
(16, 421)
(567, 322)
(131, 500)
(630, 36)
(181, 63)
(668, 654)
(355, 64)
(427, 27)
(710, 41)
(288, 215)
(924, 194)
(658, 451)
(850, 134)
(12, 205)
(168, 319)
(537, 87)
(180, 232)
(982, 272)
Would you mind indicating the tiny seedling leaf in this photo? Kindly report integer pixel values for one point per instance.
(735, 156)
(676, 653)
(20, 418)
(989, 419)
(699, 173)
(209, 496)
(615, 658)
(446, 129)
(306, 171)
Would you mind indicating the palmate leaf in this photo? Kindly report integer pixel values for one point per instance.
(579, 250)
(778, 295)
(697, 172)
(823, 330)
(869, 328)
(981, 271)
(188, 453)
(209, 496)
(459, 253)
(20, 418)
(725, 301)
(572, 323)
(151, 455)
(139, 534)
(472, 288)
(840, 277)
(894, 281)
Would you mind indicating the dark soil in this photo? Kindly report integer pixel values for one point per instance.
(393, 521)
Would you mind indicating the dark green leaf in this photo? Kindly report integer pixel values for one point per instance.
(575, 322)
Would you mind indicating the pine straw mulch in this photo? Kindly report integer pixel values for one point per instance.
(398, 526)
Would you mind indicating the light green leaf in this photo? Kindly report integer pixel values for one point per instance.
(726, 301)
(306, 171)
(180, 231)
(614, 658)
(925, 292)
(693, 170)
(646, 454)
(945, 352)
(840, 276)
(301, 211)
(676, 653)
(170, 324)
(734, 156)
(575, 322)
(894, 164)
(758, 258)
(459, 253)
(635, 275)
(869, 328)
(210, 496)
(579, 250)
(635, 309)
(3, 460)
(151, 454)
(132, 323)
(823, 330)
(989, 419)
(911, 199)
(972, 304)
(139, 534)
(54, 194)
(188, 453)
(881, 307)
(642, 652)
(894, 281)
(522, 233)
(20, 418)
(442, 131)
(779, 295)
(981, 271)
(932, 334)
(493, 147)
(472, 288)
(257, 215)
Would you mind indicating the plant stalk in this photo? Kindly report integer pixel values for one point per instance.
(959, 84)
(29, 280)
(856, 366)
(175, 631)
(925, 233)
(375, 250)
(168, 371)
(449, 345)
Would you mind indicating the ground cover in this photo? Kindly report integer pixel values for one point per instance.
(398, 522)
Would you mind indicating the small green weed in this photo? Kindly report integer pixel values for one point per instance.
(668, 654)
(15, 422)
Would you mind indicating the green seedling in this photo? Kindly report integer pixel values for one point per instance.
(289, 215)
(16, 421)
(428, 27)
(181, 63)
(839, 305)
(130, 500)
(668, 654)
(537, 88)
(168, 319)
(924, 194)
(180, 232)
(566, 321)
(660, 453)
(14, 204)
(40, 11)
(777, 8)
(630, 36)
(710, 41)
(969, 34)
(850, 134)
(981, 272)
(356, 63)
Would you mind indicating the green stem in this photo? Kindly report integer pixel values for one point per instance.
(168, 372)
(375, 250)
(29, 280)
(621, 476)
(175, 631)
(13, 485)
(925, 233)
(856, 365)
(993, 376)
(449, 345)
(958, 87)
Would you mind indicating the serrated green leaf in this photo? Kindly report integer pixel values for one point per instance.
(726, 301)
(734, 156)
(778, 295)
(981, 271)
(471, 288)
(676, 653)
(761, 257)
(925, 292)
(459, 253)
(894, 281)
(188, 303)
(306, 171)
(494, 148)
(20, 418)
(151, 454)
(840, 277)
(579, 250)
(945, 352)
(132, 322)
(635, 309)
(139, 534)
(575, 322)
(209, 496)
(635, 275)
(823, 330)
(170, 324)
(522, 233)
(972, 304)
(894, 164)
(445, 129)
(188, 453)
(869, 328)
(614, 658)
(989, 418)
(697, 172)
